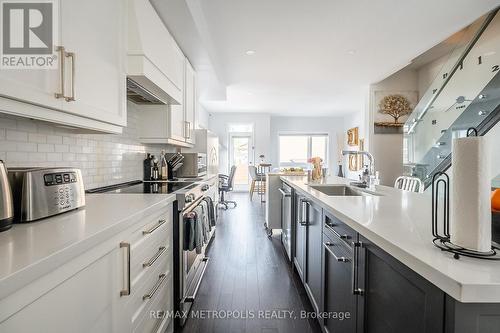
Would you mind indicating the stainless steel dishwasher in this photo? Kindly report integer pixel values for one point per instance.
(286, 218)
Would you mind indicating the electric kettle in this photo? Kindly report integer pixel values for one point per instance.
(6, 203)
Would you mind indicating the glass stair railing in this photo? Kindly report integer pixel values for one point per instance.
(465, 93)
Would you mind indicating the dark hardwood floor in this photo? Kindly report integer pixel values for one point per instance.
(248, 273)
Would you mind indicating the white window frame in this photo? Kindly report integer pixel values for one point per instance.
(309, 145)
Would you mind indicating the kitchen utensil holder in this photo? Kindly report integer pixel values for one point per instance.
(442, 241)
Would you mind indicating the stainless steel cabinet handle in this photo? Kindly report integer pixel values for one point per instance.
(355, 289)
(151, 261)
(62, 53)
(153, 291)
(327, 246)
(305, 211)
(160, 223)
(187, 129)
(159, 321)
(71, 98)
(126, 292)
(190, 298)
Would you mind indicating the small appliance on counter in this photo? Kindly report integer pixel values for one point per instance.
(207, 143)
(6, 203)
(42, 192)
(193, 166)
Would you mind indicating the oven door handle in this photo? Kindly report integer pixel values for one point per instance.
(192, 205)
(190, 298)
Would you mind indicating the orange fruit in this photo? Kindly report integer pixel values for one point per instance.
(495, 199)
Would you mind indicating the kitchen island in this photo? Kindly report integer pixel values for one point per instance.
(377, 245)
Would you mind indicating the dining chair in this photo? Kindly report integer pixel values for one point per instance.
(407, 183)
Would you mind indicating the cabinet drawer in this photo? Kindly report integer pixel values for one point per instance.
(149, 251)
(158, 276)
(338, 246)
(156, 316)
(151, 224)
(335, 228)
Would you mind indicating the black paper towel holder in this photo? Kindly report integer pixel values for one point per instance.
(443, 241)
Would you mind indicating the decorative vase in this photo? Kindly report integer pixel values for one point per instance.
(340, 174)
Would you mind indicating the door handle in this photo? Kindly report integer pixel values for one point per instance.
(62, 55)
(126, 292)
(305, 211)
(153, 291)
(160, 223)
(327, 246)
(71, 98)
(158, 254)
(355, 289)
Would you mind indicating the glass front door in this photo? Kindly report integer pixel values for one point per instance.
(241, 156)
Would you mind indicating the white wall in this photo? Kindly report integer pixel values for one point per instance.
(201, 119)
(218, 123)
(309, 125)
(267, 129)
(356, 119)
(104, 159)
(387, 149)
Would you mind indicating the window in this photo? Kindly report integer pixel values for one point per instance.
(295, 150)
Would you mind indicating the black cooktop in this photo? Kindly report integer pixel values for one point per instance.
(143, 187)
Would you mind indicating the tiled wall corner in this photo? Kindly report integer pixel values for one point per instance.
(104, 159)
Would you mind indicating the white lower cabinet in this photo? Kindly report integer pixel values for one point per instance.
(127, 288)
(86, 302)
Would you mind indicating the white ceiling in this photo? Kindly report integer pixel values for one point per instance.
(313, 57)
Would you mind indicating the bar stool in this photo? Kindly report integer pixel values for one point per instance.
(262, 169)
(256, 179)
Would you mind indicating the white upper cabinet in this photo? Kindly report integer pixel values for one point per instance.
(171, 124)
(93, 31)
(90, 78)
(190, 102)
(176, 124)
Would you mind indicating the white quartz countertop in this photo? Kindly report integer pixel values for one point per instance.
(31, 250)
(399, 222)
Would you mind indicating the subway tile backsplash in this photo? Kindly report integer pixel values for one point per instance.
(104, 159)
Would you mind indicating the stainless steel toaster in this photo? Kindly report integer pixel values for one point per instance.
(44, 192)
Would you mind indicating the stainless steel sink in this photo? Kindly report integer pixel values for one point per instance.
(339, 190)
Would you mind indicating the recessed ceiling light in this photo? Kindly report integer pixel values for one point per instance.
(250, 52)
(250, 93)
(351, 52)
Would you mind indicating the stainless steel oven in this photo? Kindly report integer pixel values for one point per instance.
(189, 266)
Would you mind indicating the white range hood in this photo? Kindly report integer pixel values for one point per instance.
(155, 62)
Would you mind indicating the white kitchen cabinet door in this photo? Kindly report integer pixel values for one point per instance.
(94, 31)
(177, 128)
(36, 86)
(190, 102)
(89, 301)
(176, 123)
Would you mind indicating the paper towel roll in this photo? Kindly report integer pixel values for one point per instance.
(470, 218)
